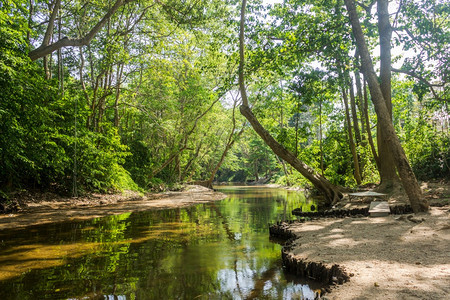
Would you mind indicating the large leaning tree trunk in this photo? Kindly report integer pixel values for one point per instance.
(388, 174)
(408, 179)
(331, 192)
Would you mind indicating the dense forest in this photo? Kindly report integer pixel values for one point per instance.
(144, 95)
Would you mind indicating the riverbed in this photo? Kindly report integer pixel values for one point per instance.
(215, 250)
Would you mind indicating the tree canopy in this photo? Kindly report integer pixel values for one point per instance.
(103, 96)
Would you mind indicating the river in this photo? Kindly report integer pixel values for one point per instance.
(218, 250)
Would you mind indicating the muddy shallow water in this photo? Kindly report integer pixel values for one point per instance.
(218, 250)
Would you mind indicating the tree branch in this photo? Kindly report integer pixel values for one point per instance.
(422, 79)
(51, 23)
(368, 7)
(46, 49)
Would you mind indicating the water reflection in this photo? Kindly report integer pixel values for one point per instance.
(218, 250)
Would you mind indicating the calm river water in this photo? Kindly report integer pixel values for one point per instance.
(218, 250)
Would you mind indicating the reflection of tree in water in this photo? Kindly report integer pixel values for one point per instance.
(232, 238)
(260, 282)
(218, 250)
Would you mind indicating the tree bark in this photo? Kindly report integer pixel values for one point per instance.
(360, 100)
(354, 112)
(368, 129)
(116, 102)
(388, 174)
(331, 192)
(320, 137)
(410, 185)
(30, 20)
(357, 173)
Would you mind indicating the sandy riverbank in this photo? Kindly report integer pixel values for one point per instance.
(47, 208)
(393, 257)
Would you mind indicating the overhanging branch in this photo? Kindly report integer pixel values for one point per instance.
(422, 79)
(46, 49)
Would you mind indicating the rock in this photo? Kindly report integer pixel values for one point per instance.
(401, 218)
(415, 219)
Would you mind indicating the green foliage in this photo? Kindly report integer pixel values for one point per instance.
(139, 162)
(430, 155)
(99, 159)
(32, 144)
(144, 94)
(36, 125)
(423, 128)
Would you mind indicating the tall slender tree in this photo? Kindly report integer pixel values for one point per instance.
(407, 176)
(388, 172)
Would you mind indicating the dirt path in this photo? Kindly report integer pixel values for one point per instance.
(393, 257)
(390, 257)
(47, 209)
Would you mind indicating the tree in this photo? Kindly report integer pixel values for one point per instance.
(352, 143)
(331, 193)
(407, 176)
(422, 27)
(233, 136)
(386, 162)
(47, 48)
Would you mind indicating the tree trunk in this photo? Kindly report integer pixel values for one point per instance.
(116, 102)
(83, 85)
(354, 112)
(30, 20)
(320, 137)
(256, 171)
(360, 101)
(191, 160)
(388, 174)
(297, 117)
(60, 59)
(357, 173)
(286, 173)
(410, 185)
(331, 193)
(368, 129)
(184, 141)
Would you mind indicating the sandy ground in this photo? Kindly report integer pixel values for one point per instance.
(393, 257)
(47, 208)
